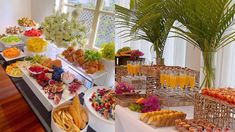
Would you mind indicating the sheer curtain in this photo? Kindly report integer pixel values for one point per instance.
(174, 52)
(181, 53)
(225, 66)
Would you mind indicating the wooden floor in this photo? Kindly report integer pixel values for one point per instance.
(15, 113)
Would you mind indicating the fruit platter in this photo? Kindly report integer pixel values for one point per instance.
(13, 70)
(26, 22)
(14, 30)
(36, 45)
(100, 102)
(70, 116)
(44, 61)
(33, 33)
(226, 95)
(12, 40)
(12, 53)
(51, 84)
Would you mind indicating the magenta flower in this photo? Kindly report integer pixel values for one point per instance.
(135, 54)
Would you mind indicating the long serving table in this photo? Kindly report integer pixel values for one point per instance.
(38, 108)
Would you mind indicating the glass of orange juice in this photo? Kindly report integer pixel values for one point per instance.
(128, 67)
(187, 78)
(167, 78)
(192, 80)
(182, 79)
(173, 79)
(134, 66)
(162, 78)
(138, 63)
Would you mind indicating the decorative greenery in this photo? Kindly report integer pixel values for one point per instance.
(65, 30)
(123, 49)
(108, 51)
(92, 55)
(207, 23)
(144, 21)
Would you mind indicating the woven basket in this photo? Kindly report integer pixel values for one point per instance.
(220, 113)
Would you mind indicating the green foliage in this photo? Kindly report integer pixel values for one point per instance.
(144, 22)
(123, 49)
(92, 55)
(108, 51)
(206, 20)
(207, 23)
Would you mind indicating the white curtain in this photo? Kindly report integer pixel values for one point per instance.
(225, 66)
(178, 52)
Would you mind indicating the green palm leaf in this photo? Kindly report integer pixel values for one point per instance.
(144, 21)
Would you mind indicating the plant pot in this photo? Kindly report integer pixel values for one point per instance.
(209, 69)
(160, 61)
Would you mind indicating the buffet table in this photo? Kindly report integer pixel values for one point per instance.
(38, 108)
(128, 121)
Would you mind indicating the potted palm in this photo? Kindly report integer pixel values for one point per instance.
(207, 23)
(136, 23)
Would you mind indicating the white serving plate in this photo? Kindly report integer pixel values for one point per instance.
(87, 95)
(56, 128)
(29, 28)
(10, 59)
(38, 91)
(94, 76)
(8, 45)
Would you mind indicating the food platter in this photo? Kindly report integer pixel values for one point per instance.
(88, 94)
(61, 117)
(10, 59)
(13, 70)
(15, 75)
(38, 91)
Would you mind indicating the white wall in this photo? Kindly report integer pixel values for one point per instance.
(41, 9)
(11, 11)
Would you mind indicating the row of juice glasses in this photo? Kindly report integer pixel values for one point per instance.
(177, 78)
(133, 67)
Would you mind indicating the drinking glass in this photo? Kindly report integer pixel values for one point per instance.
(182, 78)
(192, 80)
(162, 78)
(128, 67)
(167, 78)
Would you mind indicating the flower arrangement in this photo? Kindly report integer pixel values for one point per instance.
(144, 105)
(64, 30)
(135, 54)
(108, 51)
(123, 88)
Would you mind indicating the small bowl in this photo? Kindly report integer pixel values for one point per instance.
(34, 73)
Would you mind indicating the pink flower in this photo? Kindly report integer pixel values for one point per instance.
(135, 54)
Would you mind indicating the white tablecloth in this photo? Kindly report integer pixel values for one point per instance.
(128, 121)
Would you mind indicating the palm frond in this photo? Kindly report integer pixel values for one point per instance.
(206, 21)
(144, 21)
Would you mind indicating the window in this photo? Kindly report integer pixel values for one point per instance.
(98, 15)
